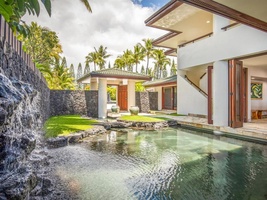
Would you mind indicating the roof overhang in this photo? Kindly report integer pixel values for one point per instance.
(169, 81)
(112, 75)
(185, 23)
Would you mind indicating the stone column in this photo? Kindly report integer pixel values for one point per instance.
(220, 93)
(102, 98)
(159, 90)
(131, 93)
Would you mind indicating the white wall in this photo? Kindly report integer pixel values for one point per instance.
(238, 41)
(131, 93)
(190, 100)
(159, 90)
(203, 83)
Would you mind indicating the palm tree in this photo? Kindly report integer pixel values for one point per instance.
(138, 55)
(87, 5)
(119, 63)
(91, 57)
(59, 77)
(128, 59)
(148, 51)
(160, 62)
(173, 68)
(101, 56)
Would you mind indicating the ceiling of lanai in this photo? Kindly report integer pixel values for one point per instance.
(187, 20)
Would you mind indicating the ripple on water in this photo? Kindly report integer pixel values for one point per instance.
(157, 165)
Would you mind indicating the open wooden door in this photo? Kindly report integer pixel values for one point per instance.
(123, 97)
(236, 93)
(210, 101)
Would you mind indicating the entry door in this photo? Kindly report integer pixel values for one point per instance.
(123, 97)
(236, 93)
(167, 98)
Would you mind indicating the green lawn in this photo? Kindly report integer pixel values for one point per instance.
(175, 114)
(66, 124)
(138, 118)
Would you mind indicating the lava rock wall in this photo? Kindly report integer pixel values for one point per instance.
(70, 102)
(24, 107)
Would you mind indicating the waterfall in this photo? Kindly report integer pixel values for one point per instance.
(20, 124)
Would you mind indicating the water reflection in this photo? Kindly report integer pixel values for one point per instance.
(168, 164)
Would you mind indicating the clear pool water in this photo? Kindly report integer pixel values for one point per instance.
(168, 164)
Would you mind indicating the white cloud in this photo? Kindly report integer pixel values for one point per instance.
(116, 24)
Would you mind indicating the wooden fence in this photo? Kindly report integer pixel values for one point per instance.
(7, 36)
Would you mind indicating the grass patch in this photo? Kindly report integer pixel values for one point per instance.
(138, 118)
(66, 124)
(175, 114)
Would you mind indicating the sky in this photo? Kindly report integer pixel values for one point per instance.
(115, 24)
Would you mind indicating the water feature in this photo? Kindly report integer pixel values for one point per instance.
(167, 164)
(21, 153)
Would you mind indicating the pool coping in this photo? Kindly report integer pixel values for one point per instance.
(211, 131)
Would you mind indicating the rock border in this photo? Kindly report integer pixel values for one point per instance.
(63, 141)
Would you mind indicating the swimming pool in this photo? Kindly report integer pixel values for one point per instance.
(167, 164)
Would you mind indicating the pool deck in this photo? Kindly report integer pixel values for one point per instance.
(256, 128)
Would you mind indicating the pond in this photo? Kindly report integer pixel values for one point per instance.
(167, 164)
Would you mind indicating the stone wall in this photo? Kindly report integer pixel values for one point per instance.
(153, 100)
(13, 66)
(146, 101)
(70, 102)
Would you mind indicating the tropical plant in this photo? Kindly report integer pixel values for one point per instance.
(148, 51)
(160, 62)
(79, 71)
(42, 45)
(173, 68)
(59, 77)
(71, 70)
(119, 63)
(139, 87)
(143, 70)
(138, 55)
(64, 62)
(112, 92)
(101, 56)
(86, 69)
(91, 58)
(128, 60)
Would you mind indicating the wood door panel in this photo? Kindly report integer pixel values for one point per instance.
(123, 97)
(236, 93)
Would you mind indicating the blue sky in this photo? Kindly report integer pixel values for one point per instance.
(151, 3)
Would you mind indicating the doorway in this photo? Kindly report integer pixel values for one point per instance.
(123, 97)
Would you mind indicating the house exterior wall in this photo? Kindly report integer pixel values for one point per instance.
(238, 41)
(189, 100)
(203, 83)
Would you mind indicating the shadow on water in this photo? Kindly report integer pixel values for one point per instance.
(168, 164)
